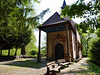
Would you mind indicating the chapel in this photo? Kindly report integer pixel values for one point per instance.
(63, 39)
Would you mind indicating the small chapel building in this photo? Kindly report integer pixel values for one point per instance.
(63, 39)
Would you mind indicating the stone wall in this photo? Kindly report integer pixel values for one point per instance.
(55, 38)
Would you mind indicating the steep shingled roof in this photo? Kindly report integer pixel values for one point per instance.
(53, 19)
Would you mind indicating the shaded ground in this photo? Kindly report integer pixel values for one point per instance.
(31, 67)
(23, 67)
(6, 58)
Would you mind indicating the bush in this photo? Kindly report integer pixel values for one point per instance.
(43, 51)
(95, 69)
(84, 51)
(94, 51)
(34, 52)
(98, 32)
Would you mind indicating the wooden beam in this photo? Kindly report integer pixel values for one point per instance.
(47, 47)
(67, 38)
(76, 42)
(39, 56)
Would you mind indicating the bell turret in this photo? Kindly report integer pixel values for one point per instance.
(64, 4)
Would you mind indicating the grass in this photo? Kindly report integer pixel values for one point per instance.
(26, 63)
(9, 66)
(94, 69)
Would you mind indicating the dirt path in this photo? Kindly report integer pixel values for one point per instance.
(74, 69)
(78, 68)
(7, 69)
(23, 71)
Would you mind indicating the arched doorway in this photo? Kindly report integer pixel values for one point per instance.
(59, 51)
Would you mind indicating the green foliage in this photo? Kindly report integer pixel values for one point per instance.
(44, 51)
(94, 51)
(31, 47)
(72, 10)
(12, 52)
(88, 10)
(44, 48)
(16, 23)
(91, 12)
(14, 28)
(84, 52)
(34, 52)
(85, 40)
(94, 69)
(98, 32)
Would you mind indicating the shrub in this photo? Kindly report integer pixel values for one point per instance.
(98, 32)
(95, 69)
(43, 51)
(94, 51)
(84, 51)
(34, 52)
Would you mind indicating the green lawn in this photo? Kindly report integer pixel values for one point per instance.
(26, 63)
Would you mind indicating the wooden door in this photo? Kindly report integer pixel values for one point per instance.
(59, 51)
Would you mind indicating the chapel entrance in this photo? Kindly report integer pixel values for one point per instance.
(59, 51)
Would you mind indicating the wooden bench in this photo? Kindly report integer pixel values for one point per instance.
(62, 62)
(52, 67)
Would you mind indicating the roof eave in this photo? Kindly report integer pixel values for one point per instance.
(54, 24)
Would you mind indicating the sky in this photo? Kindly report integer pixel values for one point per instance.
(54, 6)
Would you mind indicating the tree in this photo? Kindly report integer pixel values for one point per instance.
(44, 51)
(94, 50)
(44, 48)
(85, 40)
(90, 11)
(16, 23)
(98, 32)
(31, 47)
(11, 19)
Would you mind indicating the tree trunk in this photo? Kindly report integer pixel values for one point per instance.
(39, 56)
(0, 52)
(23, 50)
(9, 52)
(15, 52)
(87, 49)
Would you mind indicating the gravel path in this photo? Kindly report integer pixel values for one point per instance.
(24, 71)
(78, 68)
(74, 69)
